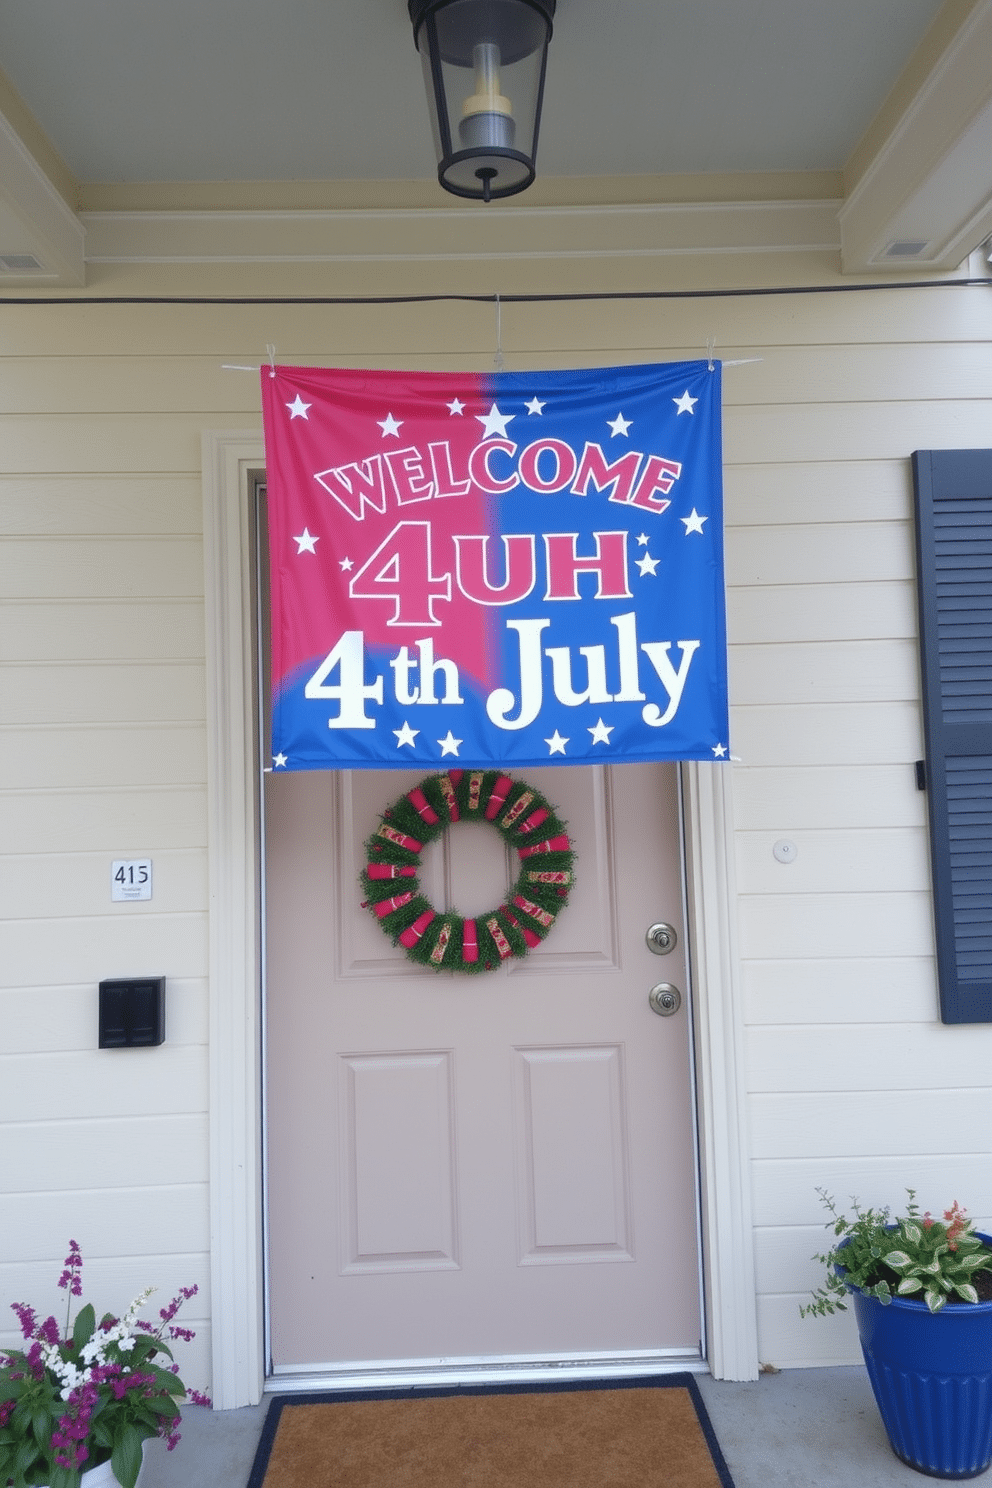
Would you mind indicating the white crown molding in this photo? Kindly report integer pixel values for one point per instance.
(35, 218)
(415, 234)
(930, 179)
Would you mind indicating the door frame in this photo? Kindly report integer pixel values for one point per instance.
(230, 459)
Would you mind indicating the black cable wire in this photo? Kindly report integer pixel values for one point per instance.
(492, 299)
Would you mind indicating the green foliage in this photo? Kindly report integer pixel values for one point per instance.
(915, 1256)
(463, 795)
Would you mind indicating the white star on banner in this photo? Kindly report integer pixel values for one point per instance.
(601, 733)
(719, 750)
(298, 409)
(279, 760)
(556, 744)
(306, 543)
(449, 745)
(389, 425)
(346, 564)
(685, 404)
(647, 564)
(494, 422)
(693, 522)
(642, 540)
(619, 425)
(406, 735)
(534, 406)
(455, 406)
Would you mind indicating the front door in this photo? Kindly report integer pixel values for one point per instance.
(495, 1167)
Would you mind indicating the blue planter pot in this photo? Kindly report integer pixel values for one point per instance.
(932, 1378)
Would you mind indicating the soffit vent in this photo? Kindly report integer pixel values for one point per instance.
(906, 248)
(20, 263)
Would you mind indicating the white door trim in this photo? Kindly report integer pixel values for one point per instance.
(236, 1285)
(237, 1299)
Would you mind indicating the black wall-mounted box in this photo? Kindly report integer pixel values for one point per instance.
(132, 1013)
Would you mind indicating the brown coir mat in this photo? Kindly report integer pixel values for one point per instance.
(628, 1433)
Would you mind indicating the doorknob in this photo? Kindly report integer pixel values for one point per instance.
(661, 938)
(665, 999)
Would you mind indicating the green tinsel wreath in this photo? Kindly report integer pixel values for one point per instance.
(446, 941)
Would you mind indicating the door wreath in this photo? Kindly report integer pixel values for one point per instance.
(444, 940)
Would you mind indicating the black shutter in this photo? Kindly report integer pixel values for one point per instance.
(954, 566)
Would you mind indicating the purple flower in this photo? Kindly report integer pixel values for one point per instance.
(26, 1318)
(73, 1265)
(183, 1295)
(49, 1331)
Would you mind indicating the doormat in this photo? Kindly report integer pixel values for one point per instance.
(650, 1432)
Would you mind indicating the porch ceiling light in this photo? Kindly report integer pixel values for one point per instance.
(484, 64)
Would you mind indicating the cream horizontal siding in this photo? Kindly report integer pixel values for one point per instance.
(827, 796)
(121, 822)
(112, 504)
(98, 753)
(88, 948)
(852, 1082)
(866, 733)
(861, 860)
(135, 628)
(102, 755)
(818, 553)
(52, 1159)
(847, 990)
(97, 567)
(57, 1086)
(29, 889)
(818, 491)
(799, 1133)
(62, 1018)
(88, 692)
(817, 612)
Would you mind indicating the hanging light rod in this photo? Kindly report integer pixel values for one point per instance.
(484, 63)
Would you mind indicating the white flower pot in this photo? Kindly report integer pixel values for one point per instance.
(103, 1476)
(100, 1477)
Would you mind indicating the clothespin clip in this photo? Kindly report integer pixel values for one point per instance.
(710, 346)
(270, 348)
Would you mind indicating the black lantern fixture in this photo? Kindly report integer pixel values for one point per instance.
(484, 64)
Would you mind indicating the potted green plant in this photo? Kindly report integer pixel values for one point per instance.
(78, 1403)
(922, 1294)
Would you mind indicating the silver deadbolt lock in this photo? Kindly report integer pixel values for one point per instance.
(661, 938)
(665, 999)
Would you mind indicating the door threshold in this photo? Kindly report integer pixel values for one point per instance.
(398, 1374)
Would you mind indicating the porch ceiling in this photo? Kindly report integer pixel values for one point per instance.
(883, 110)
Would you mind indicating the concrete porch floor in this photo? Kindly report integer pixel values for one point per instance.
(803, 1428)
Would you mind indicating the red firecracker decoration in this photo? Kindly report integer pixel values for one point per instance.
(410, 937)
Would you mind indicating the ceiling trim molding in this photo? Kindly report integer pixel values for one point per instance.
(929, 183)
(35, 218)
(641, 230)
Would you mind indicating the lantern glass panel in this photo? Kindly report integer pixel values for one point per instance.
(490, 56)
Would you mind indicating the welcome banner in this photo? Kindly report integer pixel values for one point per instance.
(516, 569)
